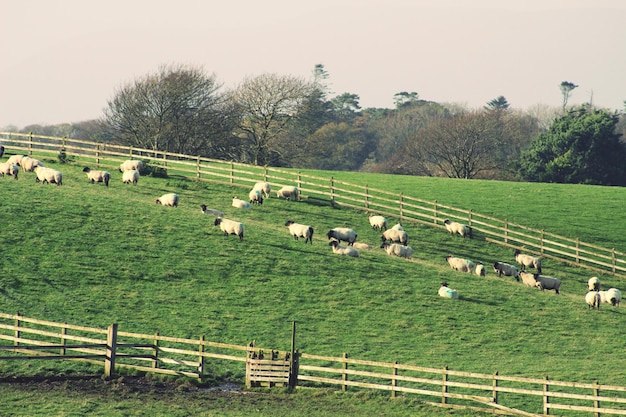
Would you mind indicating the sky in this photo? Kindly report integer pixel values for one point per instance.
(61, 61)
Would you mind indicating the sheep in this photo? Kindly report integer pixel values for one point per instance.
(206, 210)
(9, 168)
(170, 200)
(230, 227)
(238, 203)
(508, 270)
(480, 270)
(97, 176)
(395, 235)
(300, 230)
(397, 226)
(343, 250)
(131, 164)
(529, 279)
(593, 284)
(361, 245)
(527, 261)
(460, 264)
(342, 234)
(263, 187)
(130, 176)
(15, 159)
(29, 164)
(49, 175)
(394, 249)
(446, 292)
(378, 222)
(288, 192)
(455, 227)
(544, 282)
(611, 296)
(593, 299)
(255, 197)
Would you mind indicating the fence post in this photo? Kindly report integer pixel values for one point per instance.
(469, 220)
(494, 395)
(198, 167)
(401, 206)
(232, 173)
(16, 342)
(596, 393)
(506, 231)
(435, 212)
(165, 159)
(97, 154)
(332, 191)
(577, 250)
(201, 359)
(344, 375)
(444, 385)
(394, 381)
(30, 143)
(109, 360)
(265, 174)
(367, 196)
(613, 261)
(542, 237)
(546, 398)
(293, 364)
(155, 361)
(130, 151)
(63, 333)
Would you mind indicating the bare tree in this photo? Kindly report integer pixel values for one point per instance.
(566, 90)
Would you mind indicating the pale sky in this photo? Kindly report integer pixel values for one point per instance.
(62, 60)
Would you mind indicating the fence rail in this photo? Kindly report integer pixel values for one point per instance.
(406, 208)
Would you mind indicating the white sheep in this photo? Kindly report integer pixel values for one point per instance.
(97, 176)
(170, 200)
(131, 164)
(395, 249)
(611, 296)
(593, 284)
(29, 164)
(508, 270)
(460, 264)
(255, 197)
(300, 230)
(9, 168)
(397, 226)
(15, 159)
(528, 279)
(230, 227)
(213, 212)
(395, 235)
(361, 245)
(480, 270)
(48, 175)
(343, 250)
(455, 227)
(342, 234)
(288, 192)
(593, 299)
(130, 177)
(527, 261)
(263, 187)
(239, 203)
(542, 282)
(378, 222)
(446, 292)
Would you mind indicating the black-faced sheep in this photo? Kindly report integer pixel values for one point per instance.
(397, 226)
(130, 177)
(48, 175)
(230, 227)
(29, 164)
(15, 159)
(460, 264)
(611, 296)
(97, 176)
(300, 230)
(593, 284)
(395, 249)
(170, 200)
(395, 235)
(593, 299)
(343, 250)
(542, 282)
(378, 222)
(480, 270)
(263, 187)
(502, 268)
(131, 164)
(213, 212)
(288, 192)
(527, 261)
(344, 234)
(446, 292)
(9, 168)
(239, 203)
(455, 227)
(255, 197)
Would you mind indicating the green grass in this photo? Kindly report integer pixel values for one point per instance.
(89, 255)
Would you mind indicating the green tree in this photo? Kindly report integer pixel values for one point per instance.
(498, 103)
(404, 99)
(581, 147)
(566, 91)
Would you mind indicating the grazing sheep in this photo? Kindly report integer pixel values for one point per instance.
(460, 264)
(360, 245)
(288, 192)
(593, 284)
(15, 159)
(527, 261)
(593, 299)
(239, 203)
(255, 197)
(342, 234)
(480, 270)
(230, 227)
(455, 227)
(378, 222)
(97, 176)
(528, 279)
(263, 187)
(170, 200)
(300, 230)
(394, 249)
(206, 210)
(48, 175)
(544, 282)
(9, 168)
(29, 164)
(395, 235)
(503, 268)
(131, 164)
(397, 226)
(446, 292)
(611, 296)
(343, 250)
(130, 176)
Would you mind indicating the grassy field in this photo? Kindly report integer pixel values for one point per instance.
(90, 255)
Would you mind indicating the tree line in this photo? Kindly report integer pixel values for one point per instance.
(287, 121)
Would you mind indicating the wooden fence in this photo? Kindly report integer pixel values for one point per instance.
(404, 207)
(31, 339)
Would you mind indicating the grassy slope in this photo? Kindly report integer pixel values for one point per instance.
(89, 255)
